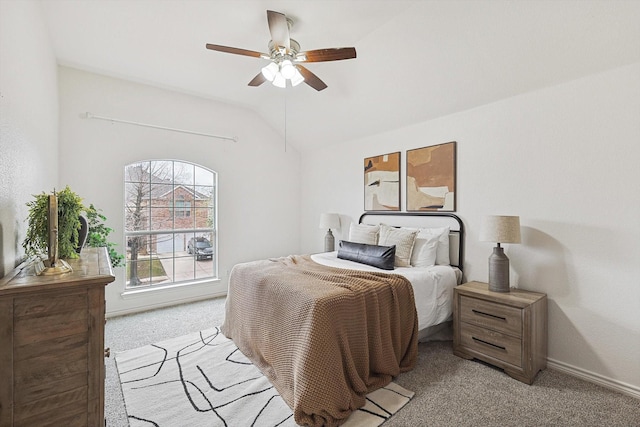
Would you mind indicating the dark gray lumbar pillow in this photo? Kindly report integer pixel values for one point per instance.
(377, 256)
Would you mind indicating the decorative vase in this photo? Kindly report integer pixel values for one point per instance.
(83, 233)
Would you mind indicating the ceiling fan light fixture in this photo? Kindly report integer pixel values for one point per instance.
(270, 71)
(279, 81)
(285, 56)
(287, 69)
(297, 78)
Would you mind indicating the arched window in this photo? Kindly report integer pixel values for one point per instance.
(170, 223)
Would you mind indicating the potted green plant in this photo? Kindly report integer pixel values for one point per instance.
(70, 210)
(98, 233)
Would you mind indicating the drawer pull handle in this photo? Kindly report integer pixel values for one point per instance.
(489, 344)
(488, 315)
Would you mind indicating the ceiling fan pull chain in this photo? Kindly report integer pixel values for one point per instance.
(285, 119)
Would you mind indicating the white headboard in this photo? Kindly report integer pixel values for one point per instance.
(425, 220)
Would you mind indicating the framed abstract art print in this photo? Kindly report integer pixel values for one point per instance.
(431, 178)
(382, 182)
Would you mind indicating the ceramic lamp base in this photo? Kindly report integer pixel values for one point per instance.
(498, 271)
(329, 242)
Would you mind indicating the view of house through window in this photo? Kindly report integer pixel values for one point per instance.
(170, 223)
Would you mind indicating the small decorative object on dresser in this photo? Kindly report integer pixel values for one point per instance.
(507, 330)
(499, 229)
(329, 221)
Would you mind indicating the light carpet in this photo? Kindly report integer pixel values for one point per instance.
(202, 379)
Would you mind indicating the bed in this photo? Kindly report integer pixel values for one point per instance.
(327, 330)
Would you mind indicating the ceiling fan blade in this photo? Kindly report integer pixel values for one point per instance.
(331, 54)
(311, 79)
(279, 29)
(258, 80)
(237, 51)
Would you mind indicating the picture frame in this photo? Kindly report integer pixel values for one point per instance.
(382, 182)
(431, 178)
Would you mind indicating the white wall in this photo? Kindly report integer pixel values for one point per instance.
(28, 121)
(566, 160)
(259, 192)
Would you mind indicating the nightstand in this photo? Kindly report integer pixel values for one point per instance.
(505, 329)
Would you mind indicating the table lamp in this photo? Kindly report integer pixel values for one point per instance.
(499, 229)
(329, 221)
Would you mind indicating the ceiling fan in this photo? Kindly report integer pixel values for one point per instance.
(286, 57)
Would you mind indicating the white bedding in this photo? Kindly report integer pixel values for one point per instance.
(432, 286)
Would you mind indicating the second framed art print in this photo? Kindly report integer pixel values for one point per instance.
(431, 178)
(382, 182)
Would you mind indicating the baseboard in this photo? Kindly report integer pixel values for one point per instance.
(598, 379)
(150, 307)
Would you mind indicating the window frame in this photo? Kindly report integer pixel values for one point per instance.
(200, 209)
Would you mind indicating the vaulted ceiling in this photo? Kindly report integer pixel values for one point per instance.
(417, 59)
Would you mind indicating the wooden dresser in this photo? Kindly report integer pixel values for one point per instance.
(505, 329)
(52, 344)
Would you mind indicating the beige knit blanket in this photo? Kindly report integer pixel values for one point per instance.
(325, 337)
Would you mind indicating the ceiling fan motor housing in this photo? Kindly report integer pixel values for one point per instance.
(279, 53)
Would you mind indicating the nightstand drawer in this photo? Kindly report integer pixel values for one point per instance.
(500, 346)
(491, 315)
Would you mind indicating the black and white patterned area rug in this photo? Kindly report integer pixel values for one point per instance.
(202, 379)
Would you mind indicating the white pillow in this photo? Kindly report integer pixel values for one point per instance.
(425, 250)
(403, 239)
(363, 233)
(442, 252)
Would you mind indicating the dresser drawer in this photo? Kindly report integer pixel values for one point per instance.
(500, 346)
(498, 317)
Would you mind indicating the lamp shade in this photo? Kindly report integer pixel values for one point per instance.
(297, 78)
(279, 80)
(500, 229)
(287, 69)
(269, 72)
(329, 221)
